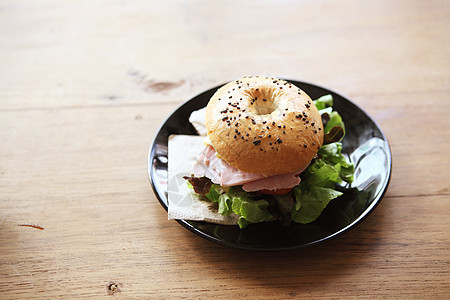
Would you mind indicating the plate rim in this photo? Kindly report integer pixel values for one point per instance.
(187, 223)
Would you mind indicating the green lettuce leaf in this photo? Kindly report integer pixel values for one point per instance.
(214, 193)
(225, 205)
(332, 155)
(331, 120)
(253, 211)
(237, 201)
(334, 121)
(312, 201)
(324, 102)
(322, 174)
(316, 190)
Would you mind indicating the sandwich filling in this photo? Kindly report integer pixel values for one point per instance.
(219, 172)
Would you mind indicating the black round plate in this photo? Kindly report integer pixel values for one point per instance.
(364, 143)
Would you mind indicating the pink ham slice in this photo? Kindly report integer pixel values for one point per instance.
(220, 172)
(272, 183)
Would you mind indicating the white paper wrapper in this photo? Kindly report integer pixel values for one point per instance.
(183, 203)
(197, 119)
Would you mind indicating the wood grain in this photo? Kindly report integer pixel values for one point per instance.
(85, 85)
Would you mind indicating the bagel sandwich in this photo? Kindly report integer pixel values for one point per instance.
(270, 153)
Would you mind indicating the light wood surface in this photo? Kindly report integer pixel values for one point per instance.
(84, 85)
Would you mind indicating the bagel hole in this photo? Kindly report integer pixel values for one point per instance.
(265, 105)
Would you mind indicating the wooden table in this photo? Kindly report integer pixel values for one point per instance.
(84, 86)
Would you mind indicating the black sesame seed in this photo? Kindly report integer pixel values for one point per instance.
(279, 140)
(257, 142)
